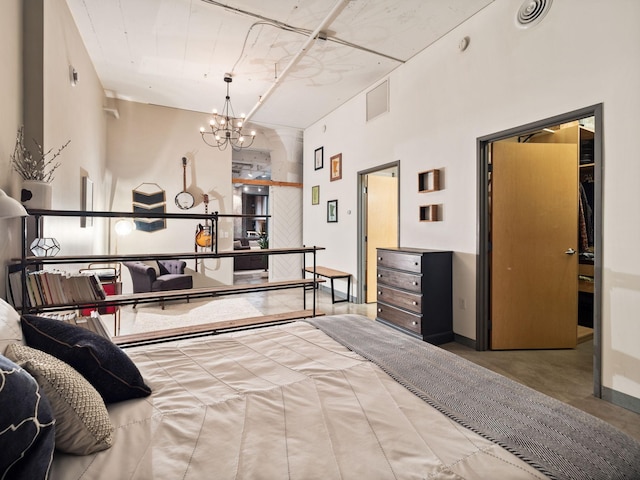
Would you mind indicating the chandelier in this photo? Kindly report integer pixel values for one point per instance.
(226, 128)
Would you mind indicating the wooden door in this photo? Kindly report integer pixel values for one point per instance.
(534, 283)
(382, 223)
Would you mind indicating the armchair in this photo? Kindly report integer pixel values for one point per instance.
(169, 276)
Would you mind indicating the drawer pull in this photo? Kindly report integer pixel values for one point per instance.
(379, 275)
(379, 293)
(415, 283)
(414, 302)
(414, 323)
(379, 259)
(379, 309)
(416, 264)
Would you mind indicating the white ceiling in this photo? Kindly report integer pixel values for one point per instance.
(175, 53)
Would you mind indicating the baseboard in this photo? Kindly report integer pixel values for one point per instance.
(467, 342)
(621, 399)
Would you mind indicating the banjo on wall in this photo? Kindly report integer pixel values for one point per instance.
(184, 200)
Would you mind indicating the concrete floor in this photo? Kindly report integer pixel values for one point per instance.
(563, 374)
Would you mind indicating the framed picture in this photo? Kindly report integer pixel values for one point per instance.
(332, 211)
(87, 201)
(336, 167)
(315, 195)
(319, 158)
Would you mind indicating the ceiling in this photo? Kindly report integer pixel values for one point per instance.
(175, 53)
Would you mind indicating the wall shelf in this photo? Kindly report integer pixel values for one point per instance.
(429, 181)
(429, 213)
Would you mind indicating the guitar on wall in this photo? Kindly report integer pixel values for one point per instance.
(204, 233)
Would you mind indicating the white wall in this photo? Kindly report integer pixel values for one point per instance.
(67, 113)
(72, 113)
(442, 100)
(146, 145)
(10, 120)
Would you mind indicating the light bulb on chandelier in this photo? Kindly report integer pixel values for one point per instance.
(226, 128)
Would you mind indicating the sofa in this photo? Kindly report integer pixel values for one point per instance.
(248, 262)
(158, 276)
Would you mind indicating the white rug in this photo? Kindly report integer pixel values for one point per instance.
(145, 318)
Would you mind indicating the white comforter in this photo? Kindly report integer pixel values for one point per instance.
(277, 403)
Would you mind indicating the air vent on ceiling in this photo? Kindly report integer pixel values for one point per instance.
(532, 12)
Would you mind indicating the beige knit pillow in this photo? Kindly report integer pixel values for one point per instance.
(83, 425)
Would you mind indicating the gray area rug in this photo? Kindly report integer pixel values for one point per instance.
(559, 440)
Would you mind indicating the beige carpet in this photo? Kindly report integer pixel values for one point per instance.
(147, 318)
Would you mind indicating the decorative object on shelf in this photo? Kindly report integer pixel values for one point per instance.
(36, 194)
(87, 201)
(184, 200)
(149, 198)
(10, 207)
(332, 211)
(36, 173)
(315, 195)
(29, 168)
(226, 128)
(45, 247)
(319, 158)
(429, 181)
(335, 173)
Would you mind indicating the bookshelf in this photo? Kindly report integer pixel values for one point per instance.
(44, 290)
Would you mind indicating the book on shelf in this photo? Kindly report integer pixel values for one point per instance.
(14, 289)
(47, 288)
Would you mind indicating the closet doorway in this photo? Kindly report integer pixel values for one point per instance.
(378, 224)
(540, 234)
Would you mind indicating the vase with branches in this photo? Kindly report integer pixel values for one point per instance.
(40, 167)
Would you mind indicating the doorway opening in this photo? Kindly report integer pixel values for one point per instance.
(378, 222)
(496, 162)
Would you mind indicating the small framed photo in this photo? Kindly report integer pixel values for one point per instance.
(315, 195)
(332, 211)
(319, 158)
(336, 167)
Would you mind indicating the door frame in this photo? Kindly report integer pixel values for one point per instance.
(362, 222)
(483, 290)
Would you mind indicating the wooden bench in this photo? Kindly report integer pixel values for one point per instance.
(332, 274)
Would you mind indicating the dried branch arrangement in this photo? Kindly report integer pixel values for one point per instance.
(29, 168)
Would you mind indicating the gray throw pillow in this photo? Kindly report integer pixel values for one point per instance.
(83, 425)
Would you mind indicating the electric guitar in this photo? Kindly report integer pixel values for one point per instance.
(204, 234)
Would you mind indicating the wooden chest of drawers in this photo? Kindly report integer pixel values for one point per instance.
(414, 292)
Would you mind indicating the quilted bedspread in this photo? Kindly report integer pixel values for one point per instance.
(281, 402)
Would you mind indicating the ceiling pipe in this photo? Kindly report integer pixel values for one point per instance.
(335, 11)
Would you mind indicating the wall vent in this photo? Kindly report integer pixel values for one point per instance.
(532, 12)
(378, 100)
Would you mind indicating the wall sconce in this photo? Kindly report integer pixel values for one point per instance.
(73, 76)
(45, 247)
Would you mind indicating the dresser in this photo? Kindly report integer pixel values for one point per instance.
(414, 292)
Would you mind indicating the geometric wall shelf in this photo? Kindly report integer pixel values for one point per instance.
(429, 213)
(429, 181)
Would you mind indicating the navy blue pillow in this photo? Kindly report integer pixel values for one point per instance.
(100, 361)
(26, 450)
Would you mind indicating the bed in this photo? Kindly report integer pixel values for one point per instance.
(340, 397)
